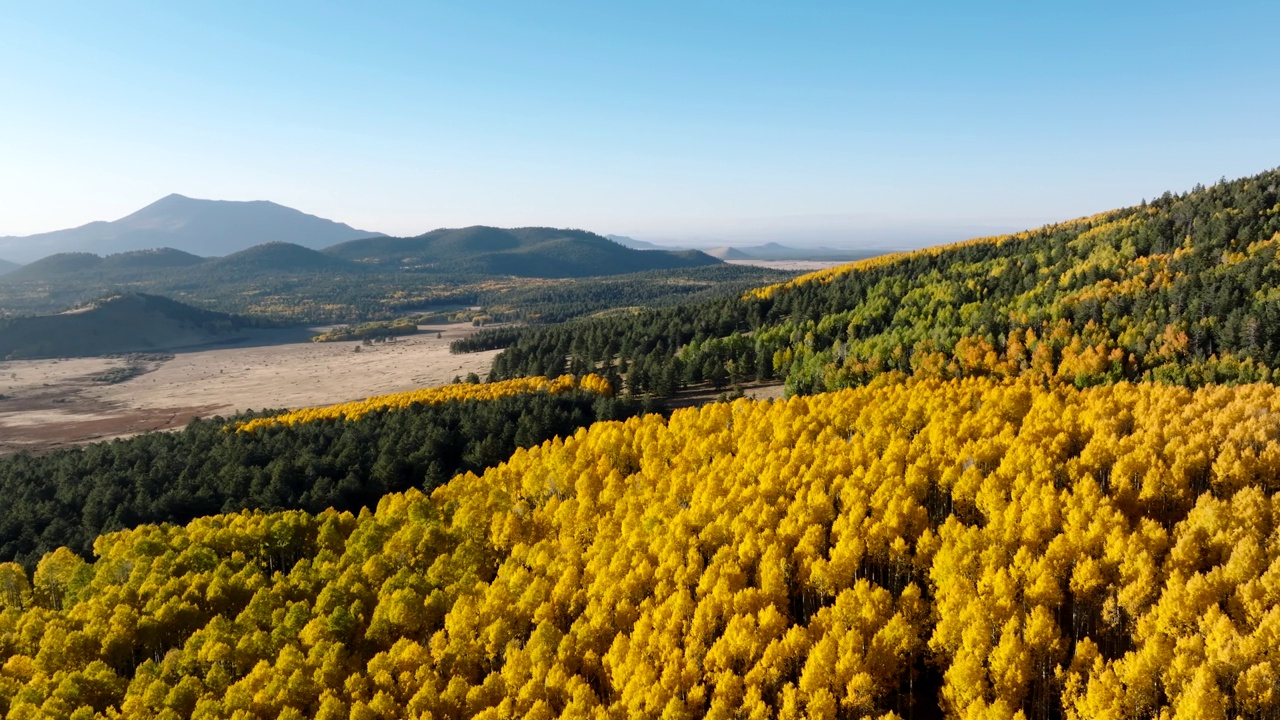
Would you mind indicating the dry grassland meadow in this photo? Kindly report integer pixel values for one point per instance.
(51, 403)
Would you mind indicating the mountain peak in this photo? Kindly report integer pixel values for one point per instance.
(192, 225)
(168, 202)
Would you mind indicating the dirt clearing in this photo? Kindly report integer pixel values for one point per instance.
(51, 403)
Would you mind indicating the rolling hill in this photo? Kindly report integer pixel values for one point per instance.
(56, 266)
(124, 323)
(279, 258)
(373, 278)
(200, 227)
(1182, 289)
(521, 252)
(8, 267)
(728, 253)
(82, 266)
(150, 260)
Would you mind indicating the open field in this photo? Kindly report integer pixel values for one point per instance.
(51, 403)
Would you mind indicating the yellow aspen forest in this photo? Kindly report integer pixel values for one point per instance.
(994, 548)
(826, 275)
(430, 396)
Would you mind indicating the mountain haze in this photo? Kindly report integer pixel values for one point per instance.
(777, 252)
(728, 253)
(200, 227)
(635, 244)
(374, 277)
(8, 267)
(766, 251)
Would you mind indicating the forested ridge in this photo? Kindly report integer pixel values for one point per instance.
(69, 497)
(990, 547)
(1034, 476)
(1180, 289)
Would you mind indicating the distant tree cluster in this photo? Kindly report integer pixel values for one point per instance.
(380, 331)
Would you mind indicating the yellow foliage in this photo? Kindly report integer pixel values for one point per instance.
(1049, 550)
(826, 275)
(430, 396)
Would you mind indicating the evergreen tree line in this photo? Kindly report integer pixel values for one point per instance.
(69, 497)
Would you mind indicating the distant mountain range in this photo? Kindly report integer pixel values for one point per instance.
(272, 276)
(8, 267)
(199, 227)
(120, 324)
(520, 252)
(179, 233)
(768, 251)
(275, 258)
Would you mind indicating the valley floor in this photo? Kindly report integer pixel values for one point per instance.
(51, 403)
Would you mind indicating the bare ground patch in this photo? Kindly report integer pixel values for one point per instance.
(52, 403)
(703, 393)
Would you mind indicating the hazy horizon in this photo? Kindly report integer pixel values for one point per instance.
(830, 231)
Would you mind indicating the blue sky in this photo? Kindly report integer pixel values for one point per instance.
(841, 123)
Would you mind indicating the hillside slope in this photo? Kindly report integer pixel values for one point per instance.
(8, 267)
(125, 323)
(956, 549)
(200, 227)
(87, 267)
(522, 252)
(1184, 289)
(279, 258)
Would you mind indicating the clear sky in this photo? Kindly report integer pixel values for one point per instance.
(738, 120)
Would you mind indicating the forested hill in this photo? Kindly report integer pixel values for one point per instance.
(8, 267)
(181, 268)
(1184, 289)
(124, 323)
(523, 252)
(277, 258)
(344, 457)
(381, 278)
(126, 265)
